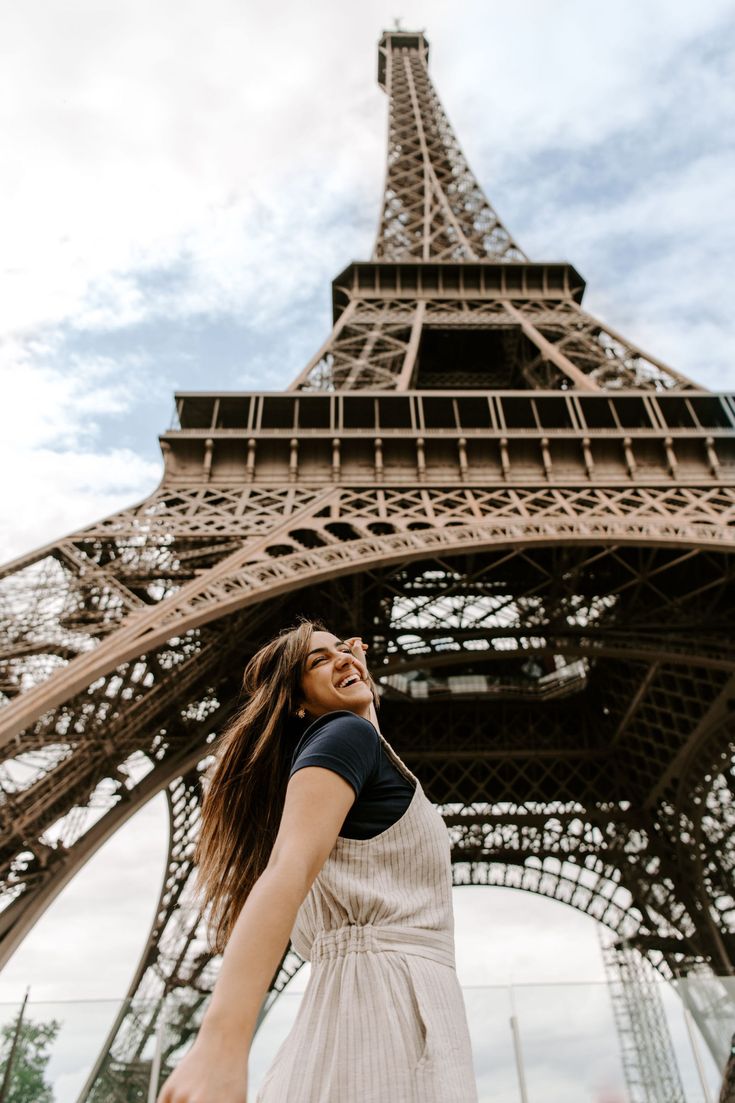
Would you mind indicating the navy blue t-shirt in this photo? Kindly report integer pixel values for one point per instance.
(350, 746)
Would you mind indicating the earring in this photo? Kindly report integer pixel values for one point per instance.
(301, 713)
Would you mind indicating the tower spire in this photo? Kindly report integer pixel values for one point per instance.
(433, 208)
(485, 316)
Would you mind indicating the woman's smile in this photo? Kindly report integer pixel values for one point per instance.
(350, 679)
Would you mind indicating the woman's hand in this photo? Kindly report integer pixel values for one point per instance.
(215, 1070)
(358, 649)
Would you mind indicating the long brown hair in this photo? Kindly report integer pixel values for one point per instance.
(246, 786)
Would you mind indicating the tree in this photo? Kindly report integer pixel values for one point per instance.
(27, 1082)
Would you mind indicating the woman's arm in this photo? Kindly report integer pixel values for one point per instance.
(215, 1069)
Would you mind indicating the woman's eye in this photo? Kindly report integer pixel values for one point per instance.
(322, 658)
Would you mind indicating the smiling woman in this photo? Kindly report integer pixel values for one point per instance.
(313, 829)
(347, 741)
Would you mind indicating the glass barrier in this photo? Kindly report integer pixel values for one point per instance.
(557, 1043)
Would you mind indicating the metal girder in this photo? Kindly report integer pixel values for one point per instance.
(433, 206)
(250, 576)
(649, 1062)
(376, 345)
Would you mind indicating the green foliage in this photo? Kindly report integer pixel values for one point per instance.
(27, 1079)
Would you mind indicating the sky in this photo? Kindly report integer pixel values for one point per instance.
(182, 181)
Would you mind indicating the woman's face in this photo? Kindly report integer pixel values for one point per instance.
(333, 678)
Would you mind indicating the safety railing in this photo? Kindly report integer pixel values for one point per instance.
(556, 1043)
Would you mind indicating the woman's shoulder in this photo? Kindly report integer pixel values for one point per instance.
(342, 719)
(339, 728)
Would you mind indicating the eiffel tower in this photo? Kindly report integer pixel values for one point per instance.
(529, 520)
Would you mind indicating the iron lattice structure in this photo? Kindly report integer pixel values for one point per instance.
(528, 519)
(648, 1058)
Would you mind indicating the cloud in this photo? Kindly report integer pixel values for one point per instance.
(57, 492)
(573, 76)
(145, 130)
(63, 476)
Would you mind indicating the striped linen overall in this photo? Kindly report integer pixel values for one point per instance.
(382, 1019)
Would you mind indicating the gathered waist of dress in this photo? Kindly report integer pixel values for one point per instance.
(357, 938)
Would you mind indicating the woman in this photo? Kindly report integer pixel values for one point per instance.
(313, 829)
